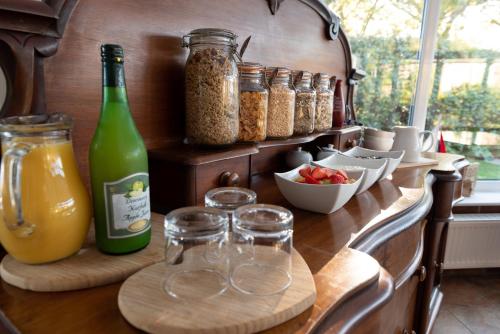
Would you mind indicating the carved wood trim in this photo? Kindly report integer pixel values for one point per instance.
(332, 20)
(29, 32)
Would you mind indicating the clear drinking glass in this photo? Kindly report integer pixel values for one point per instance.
(229, 199)
(196, 252)
(261, 249)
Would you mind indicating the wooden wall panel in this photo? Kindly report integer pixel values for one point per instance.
(150, 32)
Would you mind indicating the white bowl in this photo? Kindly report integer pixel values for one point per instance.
(378, 133)
(377, 143)
(322, 198)
(374, 168)
(393, 158)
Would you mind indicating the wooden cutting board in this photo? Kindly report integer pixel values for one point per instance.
(143, 302)
(88, 268)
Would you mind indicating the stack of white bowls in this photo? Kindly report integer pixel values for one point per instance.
(375, 139)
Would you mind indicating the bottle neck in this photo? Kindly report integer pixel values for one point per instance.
(113, 82)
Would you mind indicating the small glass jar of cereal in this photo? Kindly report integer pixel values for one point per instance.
(305, 104)
(253, 102)
(324, 102)
(281, 105)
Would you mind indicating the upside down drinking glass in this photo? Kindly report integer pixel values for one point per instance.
(261, 249)
(196, 253)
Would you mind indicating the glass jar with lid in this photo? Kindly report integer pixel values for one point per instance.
(324, 102)
(281, 105)
(211, 84)
(305, 104)
(253, 102)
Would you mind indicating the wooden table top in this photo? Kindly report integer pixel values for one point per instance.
(323, 240)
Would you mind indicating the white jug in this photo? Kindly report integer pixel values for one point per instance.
(408, 138)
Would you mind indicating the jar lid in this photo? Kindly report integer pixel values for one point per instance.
(201, 35)
(280, 73)
(35, 124)
(303, 76)
(322, 76)
(250, 68)
(229, 198)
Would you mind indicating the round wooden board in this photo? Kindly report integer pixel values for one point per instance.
(89, 268)
(146, 306)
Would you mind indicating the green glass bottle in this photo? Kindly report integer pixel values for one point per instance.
(118, 166)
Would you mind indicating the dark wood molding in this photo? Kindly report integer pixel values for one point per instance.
(372, 238)
(354, 78)
(274, 5)
(354, 311)
(332, 21)
(29, 32)
(46, 18)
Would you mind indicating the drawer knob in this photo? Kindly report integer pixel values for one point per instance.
(350, 143)
(421, 273)
(228, 179)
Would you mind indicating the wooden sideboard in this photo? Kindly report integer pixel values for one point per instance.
(376, 264)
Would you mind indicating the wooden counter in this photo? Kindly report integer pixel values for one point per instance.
(376, 261)
(367, 260)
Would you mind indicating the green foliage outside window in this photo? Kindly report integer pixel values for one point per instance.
(384, 97)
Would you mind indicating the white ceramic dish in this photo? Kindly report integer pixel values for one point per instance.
(393, 158)
(322, 198)
(377, 143)
(379, 133)
(373, 168)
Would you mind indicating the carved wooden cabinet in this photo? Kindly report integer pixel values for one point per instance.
(388, 240)
(192, 171)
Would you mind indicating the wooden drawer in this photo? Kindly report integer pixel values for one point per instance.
(208, 176)
(348, 140)
(399, 252)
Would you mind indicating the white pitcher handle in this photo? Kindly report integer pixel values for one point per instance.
(422, 133)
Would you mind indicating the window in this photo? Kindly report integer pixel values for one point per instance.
(464, 80)
(465, 95)
(384, 37)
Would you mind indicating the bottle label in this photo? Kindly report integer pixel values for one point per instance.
(128, 212)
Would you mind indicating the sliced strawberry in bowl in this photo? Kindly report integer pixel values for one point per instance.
(319, 173)
(337, 179)
(343, 173)
(305, 171)
(311, 180)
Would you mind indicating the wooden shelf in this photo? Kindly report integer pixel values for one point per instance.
(197, 155)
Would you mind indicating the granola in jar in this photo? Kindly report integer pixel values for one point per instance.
(305, 104)
(280, 114)
(212, 88)
(253, 102)
(324, 102)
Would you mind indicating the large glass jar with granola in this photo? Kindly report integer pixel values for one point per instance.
(324, 102)
(212, 87)
(281, 105)
(253, 102)
(305, 104)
